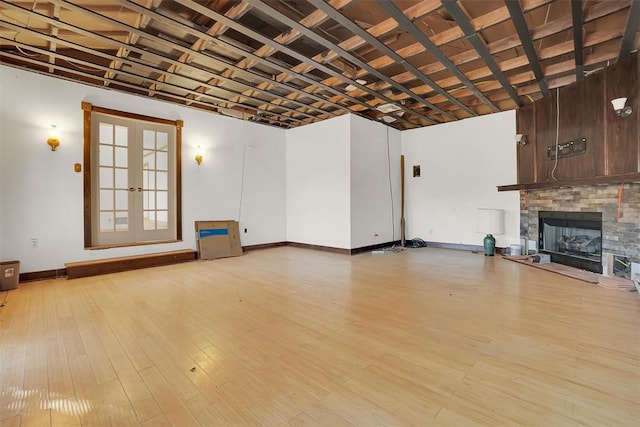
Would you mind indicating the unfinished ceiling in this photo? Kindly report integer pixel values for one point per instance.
(408, 63)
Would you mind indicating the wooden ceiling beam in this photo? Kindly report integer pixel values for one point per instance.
(591, 39)
(285, 38)
(133, 64)
(217, 29)
(592, 13)
(590, 59)
(630, 30)
(520, 24)
(204, 58)
(114, 83)
(418, 35)
(159, 57)
(344, 54)
(418, 10)
(485, 21)
(294, 54)
(266, 41)
(577, 22)
(357, 30)
(454, 10)
(55, 12)
(389, 24)
(140, 22)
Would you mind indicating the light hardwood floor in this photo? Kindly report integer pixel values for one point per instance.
(290, 336)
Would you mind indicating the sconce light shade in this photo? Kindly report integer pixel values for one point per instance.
(618, 103)
(490, 221)
(199, 156)
(520, 139)
(54, 138)
(620, 109)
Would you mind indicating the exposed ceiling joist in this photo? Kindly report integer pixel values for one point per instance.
(458, 15)
(364, 35)
(315, 64)
(326, 43)
(576, 14)
(517, 16)
(409, 63)
(630, 30)
(164, 59)
(405, 23)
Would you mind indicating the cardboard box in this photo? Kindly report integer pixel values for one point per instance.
(9, 275)
(218, 239)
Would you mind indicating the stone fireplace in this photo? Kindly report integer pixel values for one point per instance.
(618, 206)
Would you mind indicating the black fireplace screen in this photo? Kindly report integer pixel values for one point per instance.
(572, 238)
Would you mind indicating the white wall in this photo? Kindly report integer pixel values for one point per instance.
(375, 183)
(462, 163)
(318, 177)
(41, 195)
(322, 184)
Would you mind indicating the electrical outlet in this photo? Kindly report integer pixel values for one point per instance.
(35, 243)
(245, 230)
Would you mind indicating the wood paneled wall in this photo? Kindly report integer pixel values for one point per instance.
(585, 111)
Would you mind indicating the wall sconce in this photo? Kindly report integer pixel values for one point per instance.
(520, 139)
(199, 155)
(620, 109)
(54, 138)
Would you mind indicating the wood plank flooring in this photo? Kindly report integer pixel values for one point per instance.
(290, 336)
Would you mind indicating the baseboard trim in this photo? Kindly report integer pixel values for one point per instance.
(362, 249)
(343, 251)
(42, 275)
(461, 247)
(264, 246)
(319, 248)
(75, 270)
(114, 265)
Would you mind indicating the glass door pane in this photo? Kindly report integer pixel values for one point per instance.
(155, 167)
(113, 200)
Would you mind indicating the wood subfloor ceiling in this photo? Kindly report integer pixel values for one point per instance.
(290, 336)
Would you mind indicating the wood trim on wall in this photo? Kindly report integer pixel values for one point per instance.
(263, 246)
(88, 109)
(178, 193)
(43, 275)
(114, 265)
(128, 115)
(320, 248)
(597, 180)
(86, 176)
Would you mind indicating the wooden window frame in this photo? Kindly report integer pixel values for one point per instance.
(87, 109)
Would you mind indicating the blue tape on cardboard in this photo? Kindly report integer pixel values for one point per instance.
(212, 232)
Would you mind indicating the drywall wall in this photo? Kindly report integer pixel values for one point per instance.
(41, 197)
(318, 177)
(375, 183)
(461, 165)
(335, 183)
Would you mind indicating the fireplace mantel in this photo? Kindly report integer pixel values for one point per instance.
(596, 180)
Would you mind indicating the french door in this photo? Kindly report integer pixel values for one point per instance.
(133, 181)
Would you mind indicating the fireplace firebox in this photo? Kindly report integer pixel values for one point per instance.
(572, 238)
